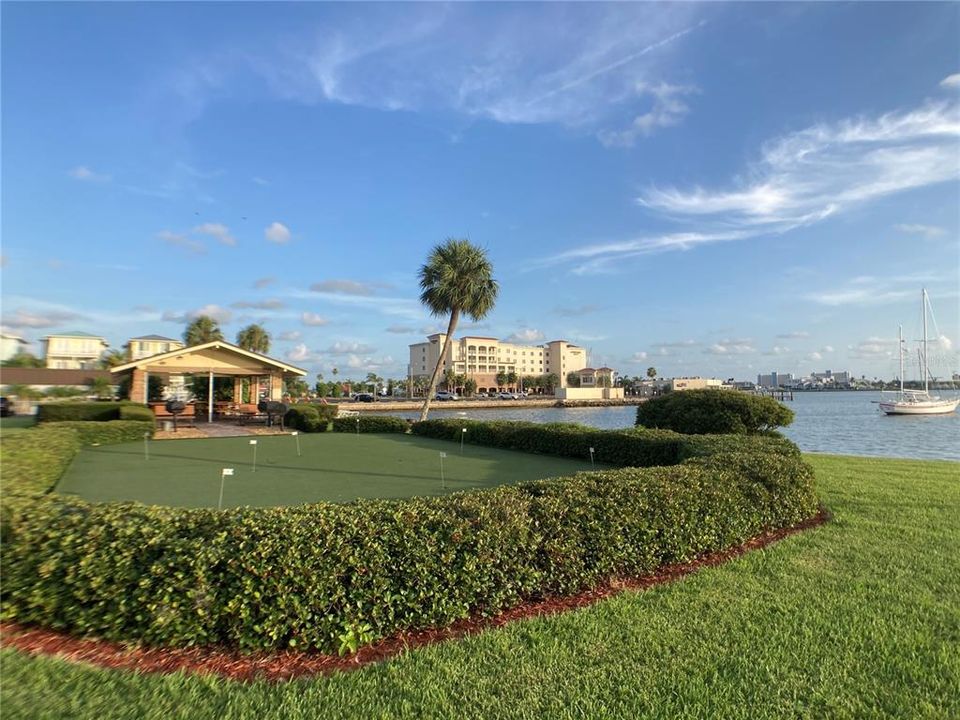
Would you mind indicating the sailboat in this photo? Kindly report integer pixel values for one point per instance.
(918, 402)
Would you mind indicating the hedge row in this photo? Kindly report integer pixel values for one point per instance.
(107, 433)
(33, 461)
(636, 447)
(308, 576)
(92, 411)
(371, 424)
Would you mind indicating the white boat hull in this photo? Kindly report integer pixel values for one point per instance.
(919, 407)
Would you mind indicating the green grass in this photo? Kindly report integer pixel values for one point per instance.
(859, 618)
(15, 424)
(334, 467)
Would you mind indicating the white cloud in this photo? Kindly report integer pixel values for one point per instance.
(951, 81)
(350, 348)
(943, 342)
(263, 282)
(667, 110)
(777, 350)
(929, 231)
(637, 357)
(85, 174)
(873, 348)
(290, 335)
(299, 353)
(218, 313)
(866, 291)
(731, 347)
(526, 335)
(814, 356)
(811, 174)
(269, 304)
(348, 287)
(369, 364)
(219, 231)
(180, 240)
(39, 319)
(277, 232)
(827, 349)
(313, 319)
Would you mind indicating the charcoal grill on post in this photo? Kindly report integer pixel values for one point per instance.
(175, 407)
(272, 408)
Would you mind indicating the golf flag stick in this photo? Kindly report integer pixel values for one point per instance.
(297, 436)
(463, 434)
(223, 474)
(146, 446)
(443, 480)
(592, 466)
(254, 443)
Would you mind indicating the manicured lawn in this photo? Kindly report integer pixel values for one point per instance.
(15, 424)
(334, 467)
(858, 618)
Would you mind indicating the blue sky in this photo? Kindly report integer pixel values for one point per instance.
(717, 189)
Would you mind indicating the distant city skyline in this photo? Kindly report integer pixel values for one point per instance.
(719, 190)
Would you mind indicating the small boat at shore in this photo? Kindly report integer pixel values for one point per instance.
(918, 402)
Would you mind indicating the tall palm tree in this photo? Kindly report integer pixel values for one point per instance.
(202, 329)
(254, 338)
(651, 372)
(457, 279)
(112, 358)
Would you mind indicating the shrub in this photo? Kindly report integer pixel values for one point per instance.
(130, 411)
(713, 411)
(57, 412)
(108, 433)
(310, 418)
(34, 460)
(371, 424)
(298, 576)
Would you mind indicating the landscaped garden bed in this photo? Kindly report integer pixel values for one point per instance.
(335, 577)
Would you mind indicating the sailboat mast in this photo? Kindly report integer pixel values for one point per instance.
(925, 378)
(900, 347)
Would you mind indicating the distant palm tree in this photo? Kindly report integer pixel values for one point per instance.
(651, 372)
(502, 379)
(512, 379)
(202, 329)
(112, 358)
(254, 338)
(449, 379)
(457, 279)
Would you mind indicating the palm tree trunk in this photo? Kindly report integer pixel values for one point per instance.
(454, 317)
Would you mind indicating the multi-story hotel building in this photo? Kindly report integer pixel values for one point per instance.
(73, 350)
(147, 345)
(481, 358)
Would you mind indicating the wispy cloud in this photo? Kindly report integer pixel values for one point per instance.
(731, 347)
(216, 312)
(795, 335)
(290, 335)
(312, 319)
(350, 348)
(39, 319)
(600, 69)
(85, 174)
(668, 110)
(526, 335)
(951, 81)
(263, 282)
(865, 290)
(217, 230)
(269, 304)
(348, 287)
(928, 231)
(277, 232)
(182, 241)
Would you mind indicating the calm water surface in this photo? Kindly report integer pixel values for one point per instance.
(845, 423)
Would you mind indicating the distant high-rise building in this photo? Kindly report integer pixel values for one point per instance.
(775, 380)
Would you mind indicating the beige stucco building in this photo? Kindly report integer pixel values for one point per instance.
(147, 345)
(73, 350)
(481, 358)
(10, 345)
(695, 383)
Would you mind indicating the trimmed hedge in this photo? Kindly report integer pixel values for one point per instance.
(371, 424)
(636, 447)
(137, 412)
(303, 576)
(304, 418)
(696, 412)
(33, 461)
(58, 412)
(108, 433)
(308, 576)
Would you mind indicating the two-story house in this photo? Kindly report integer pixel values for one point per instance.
(73, 350)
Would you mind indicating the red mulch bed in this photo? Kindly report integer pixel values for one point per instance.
(289, 664)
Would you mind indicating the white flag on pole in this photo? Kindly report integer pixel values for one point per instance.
(226, 471)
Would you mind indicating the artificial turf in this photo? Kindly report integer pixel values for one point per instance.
(332, 467)
(859, 618)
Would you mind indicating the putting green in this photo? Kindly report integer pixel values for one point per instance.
(332, 467)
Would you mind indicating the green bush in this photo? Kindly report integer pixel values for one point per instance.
(34, 460)
(299, 576)
(108, 433)
(58, 412)
(713, 411)
(310, 418)
(131, 411)
(266, 578)
(371, 424)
